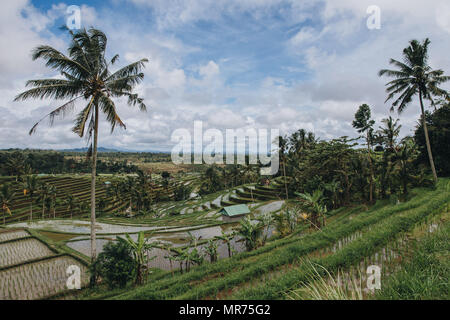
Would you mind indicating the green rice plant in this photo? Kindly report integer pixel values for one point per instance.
(271, 256)
(426, 274)
(38, 280)
(321, 286)
(16, 252)
(349, 255)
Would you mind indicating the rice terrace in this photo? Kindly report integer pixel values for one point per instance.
(335, 184)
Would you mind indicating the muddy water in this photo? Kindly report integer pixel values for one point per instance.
(162, 262)
(270, 208)
(177, 239)
(80, 227)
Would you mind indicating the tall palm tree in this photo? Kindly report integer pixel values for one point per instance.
(52, 193)
(86, 76)
(6, 195)
(389, 133)
(364, 124)
(282, 147)
(43, 195)
(415, 76)
(29, 188)
(70, 203)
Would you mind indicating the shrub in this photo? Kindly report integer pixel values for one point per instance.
(115, 265)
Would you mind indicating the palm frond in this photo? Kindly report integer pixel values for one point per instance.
(80, 121)
(128, 70)
(60, 111)
(57, 60)
(108, 107)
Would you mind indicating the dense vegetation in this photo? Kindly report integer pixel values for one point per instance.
(20, 163)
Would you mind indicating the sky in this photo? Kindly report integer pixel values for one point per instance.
(284, 64)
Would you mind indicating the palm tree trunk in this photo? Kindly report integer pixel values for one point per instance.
(285, 183)
(94, 172)
(427, 139)
(371, 170)
(31, 208)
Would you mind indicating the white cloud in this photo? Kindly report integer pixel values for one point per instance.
(339, 55)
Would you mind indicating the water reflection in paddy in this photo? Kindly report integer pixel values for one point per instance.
(177, 239)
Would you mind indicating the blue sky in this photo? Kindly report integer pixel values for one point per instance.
(285, 64)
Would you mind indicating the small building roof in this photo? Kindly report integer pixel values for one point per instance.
(236, 210)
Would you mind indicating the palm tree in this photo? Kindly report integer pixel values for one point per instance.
(29, 188)
(404, 161)
(52, 193)
(415, 76)
(363, 123)
(83, 206)
(42, 198)
(282, 147)
(70, 204)
(86, 76)
(6, 195)
(389, 133)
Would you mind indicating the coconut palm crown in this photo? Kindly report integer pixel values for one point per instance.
(86, 76)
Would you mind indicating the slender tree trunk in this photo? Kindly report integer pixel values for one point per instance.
(427, 139)
(371, 169)
(285, 183)
(31, 208)
(94, 172)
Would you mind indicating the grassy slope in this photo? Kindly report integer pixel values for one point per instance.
(426, 274)
(211, 279)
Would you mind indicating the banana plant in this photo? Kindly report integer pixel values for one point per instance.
(226, 238)
(141, 258)
(211, 250)
(266, 220)
(313, 204)
(251, 233)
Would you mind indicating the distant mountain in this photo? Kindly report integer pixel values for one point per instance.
(100, 149)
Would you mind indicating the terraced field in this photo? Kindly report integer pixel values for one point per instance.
(352, 238)
(30, 269)
(79, 188)
(38, 280)
(16, 252)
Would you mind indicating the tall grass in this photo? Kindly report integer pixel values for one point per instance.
(325, 286)
(426, 274)
(352, 253)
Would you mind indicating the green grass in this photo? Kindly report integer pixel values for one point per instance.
(351, 254)
(210, 279)
(425, 276)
